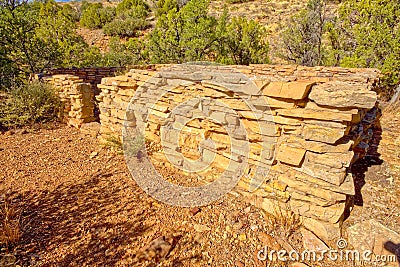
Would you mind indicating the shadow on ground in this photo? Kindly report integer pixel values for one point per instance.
(361, 166)
(393, 248)
(77, 216)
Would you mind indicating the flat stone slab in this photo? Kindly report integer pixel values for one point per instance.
(372, 235)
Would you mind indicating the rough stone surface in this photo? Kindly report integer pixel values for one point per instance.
(307, 126)
(292, 90)
(312, 242)
(343, 95)
(372, 235)
(290, 155)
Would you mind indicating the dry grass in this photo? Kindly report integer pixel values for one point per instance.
(10, 230)
(283, 222)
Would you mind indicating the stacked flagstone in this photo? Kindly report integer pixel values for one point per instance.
(319, 121)
(89, 75)
(116, 92)
(76, 98)
(322, 122)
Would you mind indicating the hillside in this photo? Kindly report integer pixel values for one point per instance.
(273, 14)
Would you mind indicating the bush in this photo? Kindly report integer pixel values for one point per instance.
(36, 36)
(96, 16)
(303, 37)
(28, 104)
(370, 35)
(124, 27)
(126, 54)
(242, 42)
(127, 5)
(164, 6)
(183, 35)
(131, 17)
(68, 11)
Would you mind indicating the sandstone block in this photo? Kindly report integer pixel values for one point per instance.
(287, 121)
(328, 232)
(332, 214)
(341, 94)
(316, 114)
(333, 160)
(347, 187)
(261, 127)
(322, 134)
(323, 172)
(325, 197)
(318, 147)
(292, 90)
(277, 102)
(290, 155)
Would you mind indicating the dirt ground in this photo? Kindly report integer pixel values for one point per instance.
(79, 206)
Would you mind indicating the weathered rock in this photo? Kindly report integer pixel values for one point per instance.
(322, 134)
(292, 90)
(340, 94)
(328, 232)
(269, 241)
(311, 242)
(314, 191)
(319, 147)
(290, 155)
(315, 114)
(374, 236)
(332, 214)
(333, 160)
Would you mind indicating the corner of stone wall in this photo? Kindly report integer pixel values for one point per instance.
(76, 99)
(323, 119)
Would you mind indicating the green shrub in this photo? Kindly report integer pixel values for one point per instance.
(124, 27)
(242, 42)
(96, 16)
(28, 104)
(164, 6)
(127, 5)
(68, 11)
(129, 53)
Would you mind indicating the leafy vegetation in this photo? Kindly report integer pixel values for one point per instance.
(190, 34)
(95, 15)
(370, 32)
(131, 17)
(365, 33)
(125, 27)
(244, 42)
(302, 39)
(186, 34)
(124, 54)
(28, 104)
(36, 36)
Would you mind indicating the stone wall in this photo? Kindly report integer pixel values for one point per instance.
(77, 99)
(304, 129)
(89, 75)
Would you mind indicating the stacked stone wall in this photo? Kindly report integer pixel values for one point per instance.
(76, 98)
(317, 123)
